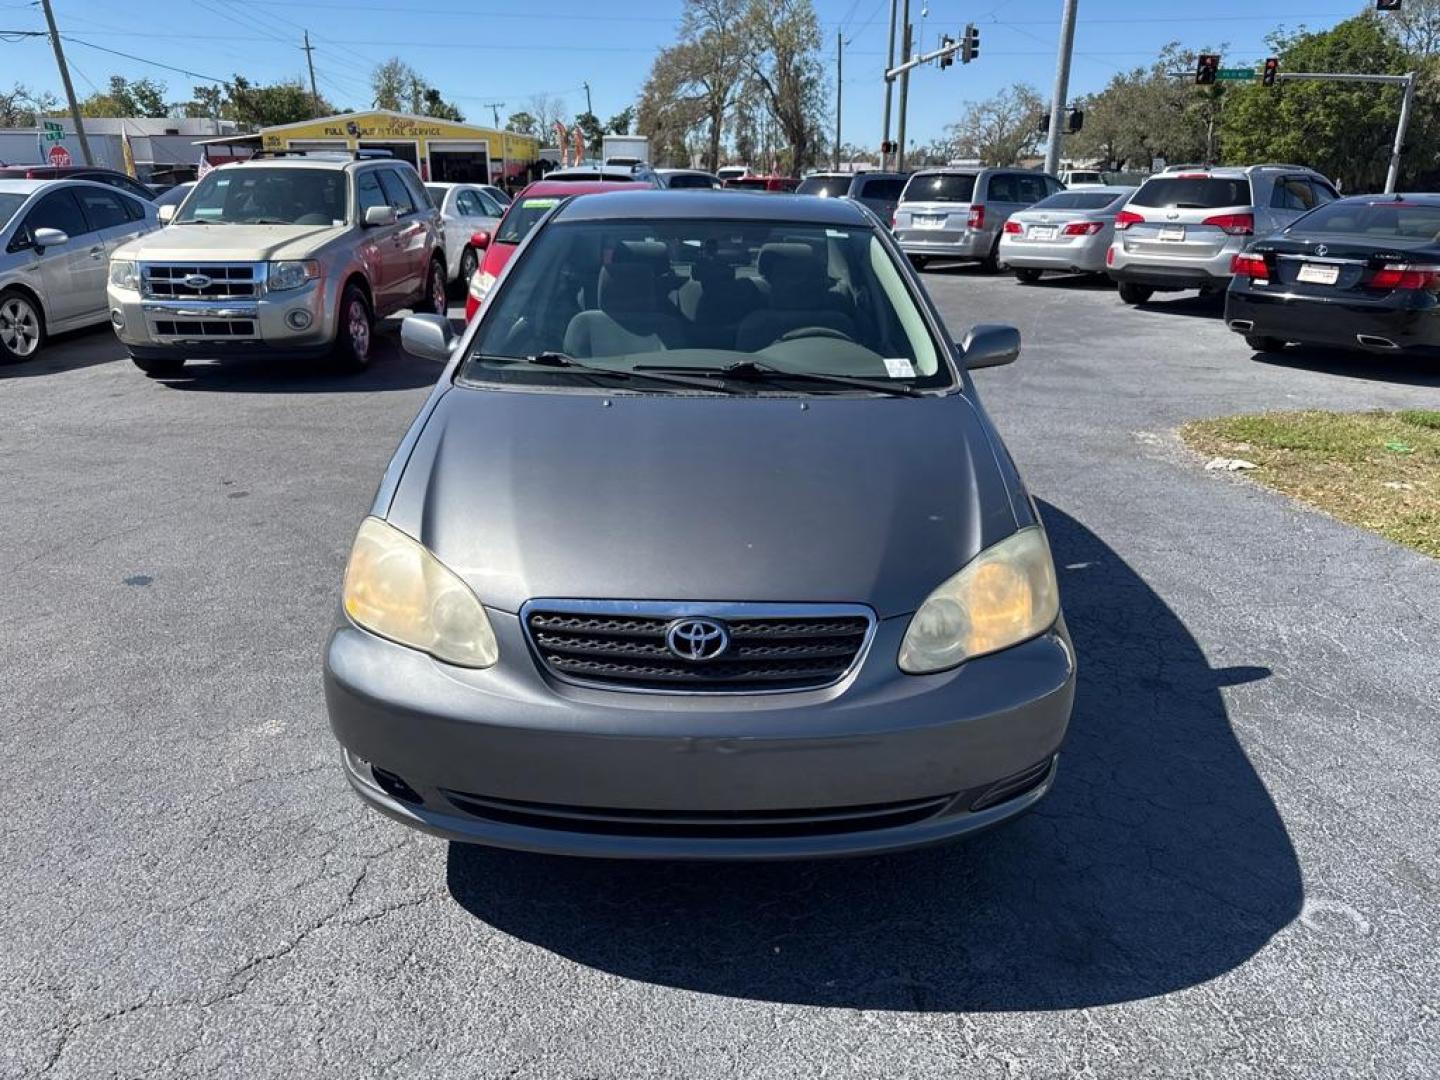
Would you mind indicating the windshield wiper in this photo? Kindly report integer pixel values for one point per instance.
(563, 360)
(270, 221)
(757, 371)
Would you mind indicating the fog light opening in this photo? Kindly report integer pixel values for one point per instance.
(1012, 787)
(117, 319)
(394, 786)
(299, 319)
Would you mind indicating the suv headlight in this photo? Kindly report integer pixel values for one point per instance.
(291, 274)
(396, 588)
(125, 274)
(1005, 595)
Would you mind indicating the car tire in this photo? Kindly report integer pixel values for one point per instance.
(437, 291)
(919, 262)
(991, 263)
(22, 327)
(1028, 276)
(469, 263)
(354, 330)
(1131, 293)
(159, 367)
(1260, 343)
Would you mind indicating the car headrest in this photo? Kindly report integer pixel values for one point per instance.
(790, 261)
(711, 272)
(653, 252)
(627, 287)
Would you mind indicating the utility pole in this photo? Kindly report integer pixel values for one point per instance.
(889, 85)
(1392, 175)
(904, 92)
(69, 87)
(307, 48)
(588, 107)
(494, 107)
(1062, 86)
(839, 83)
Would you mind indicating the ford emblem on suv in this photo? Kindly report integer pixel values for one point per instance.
(697, 639)
(197, 281)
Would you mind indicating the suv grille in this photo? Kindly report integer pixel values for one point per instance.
(182, 282)
(769, 652)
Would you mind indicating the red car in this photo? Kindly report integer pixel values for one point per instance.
(529, 207)
(756, 182)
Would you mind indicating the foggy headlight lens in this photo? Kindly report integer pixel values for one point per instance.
(396, 588)
(291, 274)
(124, 274)
(481, 284)
(1006, 595)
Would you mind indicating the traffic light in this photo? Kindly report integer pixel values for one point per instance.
(1077, 120)
(1042, 125)
(887, 147)
(1206, 67)
(1387, 5)
(970, 43)
(1272, 68)
(949, 57)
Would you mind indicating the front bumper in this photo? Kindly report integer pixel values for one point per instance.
(1409, 322)
(259, 325)
(882, 761)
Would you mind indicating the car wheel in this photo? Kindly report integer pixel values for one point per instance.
(918, 261)
(1258, 343)
(469, 263)
(437, 293)
(22, 327)
(1131, 293)
(991, 263)
(159, 366)
(1027, 276)
(355, 330)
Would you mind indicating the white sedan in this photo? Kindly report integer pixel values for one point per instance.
(465, 209)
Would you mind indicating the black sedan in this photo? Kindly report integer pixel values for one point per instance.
(1358, 273)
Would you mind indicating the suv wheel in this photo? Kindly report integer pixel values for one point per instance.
(159, 366)
(469, 263)
(991, 263)
(918, 261)
(354, 331)
(1131, 293)
(1027, 276)
(437, 296)
(22, 327)
(1263, 344)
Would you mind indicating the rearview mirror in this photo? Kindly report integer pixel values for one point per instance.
(380, 215)
(990, 345)
(166, 213)
(480, 240)
(44, 238)
(429, 337)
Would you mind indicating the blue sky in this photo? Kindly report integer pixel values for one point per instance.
(479, 51)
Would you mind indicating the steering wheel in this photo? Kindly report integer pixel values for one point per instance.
(814, 331)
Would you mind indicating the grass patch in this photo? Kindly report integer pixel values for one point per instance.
(1377, 470)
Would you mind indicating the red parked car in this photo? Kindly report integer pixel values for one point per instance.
(757, 182)
(528, 207)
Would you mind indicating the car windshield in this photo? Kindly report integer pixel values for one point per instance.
(590, 177)
(437, 195)
(9, 203)
(522, 216)
(1086, 178)
(1193, 192)
(825, 186)
(701, 297)
(940, 187)
(261, 196)
(1384, 219)
(690, 180)
(1078, 200)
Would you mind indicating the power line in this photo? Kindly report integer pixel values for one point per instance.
(141, 59)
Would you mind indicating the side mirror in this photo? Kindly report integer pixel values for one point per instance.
(990, 345)
(166, 213)
(429, 337)
(380, 215)
(480, 240)
(44, 238)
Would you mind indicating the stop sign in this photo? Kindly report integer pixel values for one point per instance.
(58, 155)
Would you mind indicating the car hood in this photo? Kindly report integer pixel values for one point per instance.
(228, 243)
(497, 257)
(698, 498)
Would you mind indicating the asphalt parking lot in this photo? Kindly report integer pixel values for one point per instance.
(1235, 875)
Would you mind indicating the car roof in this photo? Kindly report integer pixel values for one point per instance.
(15, 186)
(11, 186)
(54, 171)
(723, 205)
(685, 172)
(318, 160)
(1399, 198)
(578, 187)
(1098, 189)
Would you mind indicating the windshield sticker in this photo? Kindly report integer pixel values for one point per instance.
(540, 204)
(898, 367)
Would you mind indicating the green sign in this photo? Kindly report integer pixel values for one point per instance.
(53, 132)
(1235, 74)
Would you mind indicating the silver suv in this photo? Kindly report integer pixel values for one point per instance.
(1181, 229)
(283, 256)
(960, 213)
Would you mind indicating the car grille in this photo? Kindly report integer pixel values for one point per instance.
(718, 825)
(769, 651)
(205, 328)
(168, 281)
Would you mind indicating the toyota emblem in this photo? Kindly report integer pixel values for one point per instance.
(697, 640)
(197, 281)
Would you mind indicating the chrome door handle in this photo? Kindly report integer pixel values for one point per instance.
(97, 253)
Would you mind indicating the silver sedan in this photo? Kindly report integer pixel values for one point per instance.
(1068, 232)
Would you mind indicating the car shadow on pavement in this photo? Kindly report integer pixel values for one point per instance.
(70, 351)
(1375, 367)
(391, 368)
(1073, 282)
(1157, 862)
(1190, 304)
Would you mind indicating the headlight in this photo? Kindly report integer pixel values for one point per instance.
(1006, 595)
(291, 274)
(396, 588)
(125, 274)
(481, 284)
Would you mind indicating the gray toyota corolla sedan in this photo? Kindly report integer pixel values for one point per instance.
(702, 547)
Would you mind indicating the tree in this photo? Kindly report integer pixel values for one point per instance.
(1417, 26)
(522, 123)
(21, 107)
(786, 69)
(142, 97)
(667, 114)
(594, 132)
(716, 50)
(620, 123)
(436, 106)
(547, 109)
(397, 86)
(1344, 130)
(999, 130)
(206, 101)
(285, 102)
